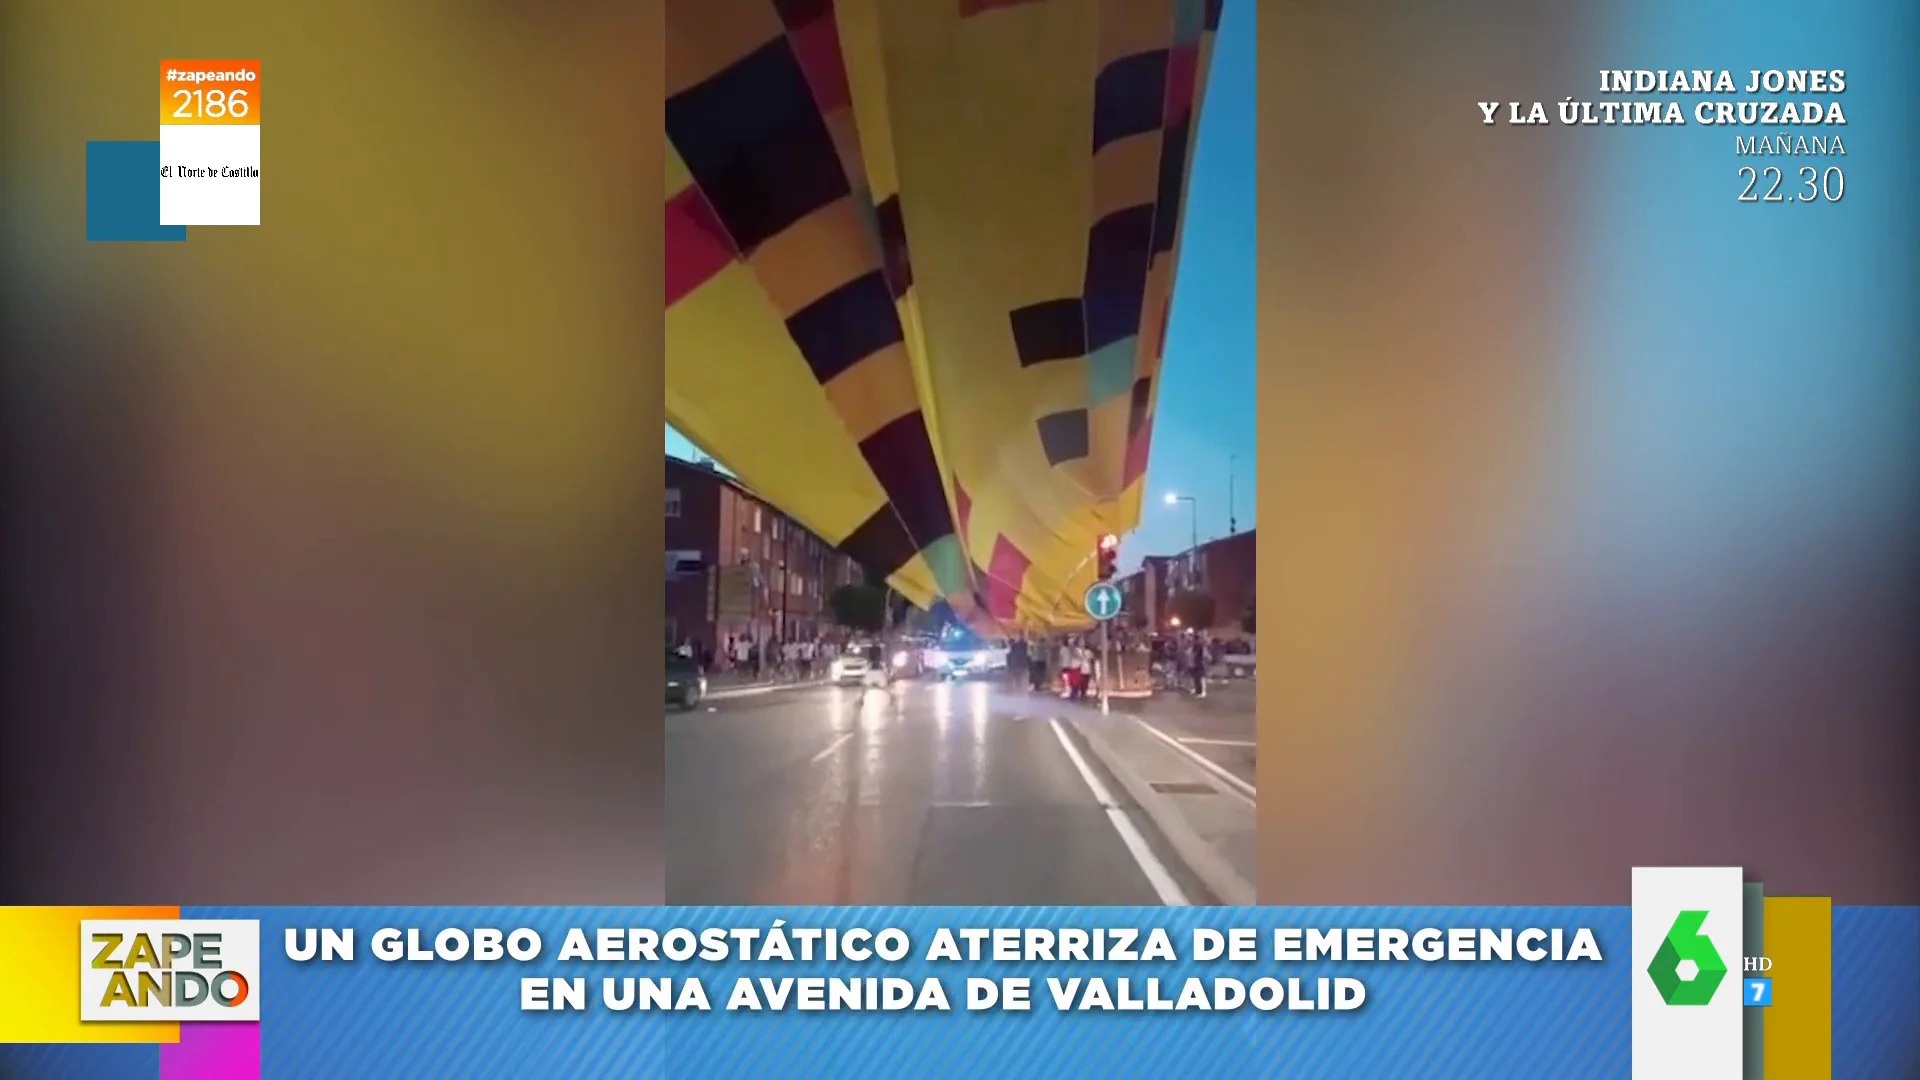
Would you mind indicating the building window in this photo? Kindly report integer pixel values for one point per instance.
(756, 519)
(776, 528)
(673, 502)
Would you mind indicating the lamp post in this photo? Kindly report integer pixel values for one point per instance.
(1174, 499)
(1195, 567)
(1194, 573)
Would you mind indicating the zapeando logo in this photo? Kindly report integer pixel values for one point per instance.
(1685, 944)
(169, 970)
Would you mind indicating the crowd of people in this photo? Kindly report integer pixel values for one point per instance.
(797, 658)
(1072, 662)
(1075, 662)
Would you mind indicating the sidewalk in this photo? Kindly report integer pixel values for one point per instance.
(1206, 814)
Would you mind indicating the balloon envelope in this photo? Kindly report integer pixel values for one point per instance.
(920, 255)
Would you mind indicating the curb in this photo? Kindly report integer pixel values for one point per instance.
(1200, 857)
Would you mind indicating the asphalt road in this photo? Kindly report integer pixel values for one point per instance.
(956, 794)
(1219, 728)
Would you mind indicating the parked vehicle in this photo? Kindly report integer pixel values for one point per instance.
(686, 683)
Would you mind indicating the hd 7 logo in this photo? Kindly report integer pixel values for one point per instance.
(1687, 969)
(169, 969)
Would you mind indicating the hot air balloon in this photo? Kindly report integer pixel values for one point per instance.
(919, 261)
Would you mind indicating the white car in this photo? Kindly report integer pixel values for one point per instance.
(850, 669)
(956, 665)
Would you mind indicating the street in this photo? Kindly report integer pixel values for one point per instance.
(934, 794)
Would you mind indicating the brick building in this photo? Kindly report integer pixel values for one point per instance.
(738, 567)
(1224, 567)
(1146, 591)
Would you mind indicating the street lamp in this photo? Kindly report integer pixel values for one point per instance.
(1193, 504)
(1193, 553)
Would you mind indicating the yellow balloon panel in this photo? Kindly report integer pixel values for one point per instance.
(919, 257)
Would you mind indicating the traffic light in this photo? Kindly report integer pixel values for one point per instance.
(1107, 556)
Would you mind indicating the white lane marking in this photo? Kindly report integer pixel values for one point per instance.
(1236, 785)
(830, 748)
(1162, 881)
(1195, 740)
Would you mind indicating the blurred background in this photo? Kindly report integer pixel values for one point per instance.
(1588, 490)
(325, 540)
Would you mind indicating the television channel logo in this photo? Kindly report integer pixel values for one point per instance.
(1686, 921)
(1687, 970)
(169, 970)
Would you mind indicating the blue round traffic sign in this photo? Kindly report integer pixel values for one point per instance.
(1104, 600)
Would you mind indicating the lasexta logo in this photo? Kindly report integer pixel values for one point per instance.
(1686, 945)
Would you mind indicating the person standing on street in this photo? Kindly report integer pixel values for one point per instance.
(877, 677)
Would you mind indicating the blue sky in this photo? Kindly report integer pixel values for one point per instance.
(1205, 431)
